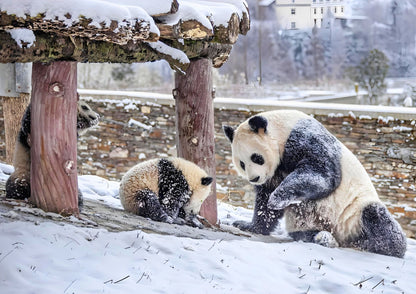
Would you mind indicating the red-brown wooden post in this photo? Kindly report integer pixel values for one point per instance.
(195, 124)
(54, 182)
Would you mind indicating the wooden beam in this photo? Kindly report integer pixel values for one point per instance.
(53, 174)
(195, 124)
(131, 30)
(50, 47)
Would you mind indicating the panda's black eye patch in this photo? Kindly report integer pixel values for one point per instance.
(243, 166)
(84, 107)
(257, 159)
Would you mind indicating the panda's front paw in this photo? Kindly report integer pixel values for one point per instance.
(242, 225)
(179, 221)
(194, 221)
(278, 203)
(245, 226)
(166, 219)
(250, 227)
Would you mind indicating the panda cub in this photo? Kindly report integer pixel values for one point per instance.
(168, 190)
(18, 184)
(303, 172)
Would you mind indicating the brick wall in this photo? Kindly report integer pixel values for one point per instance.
(132, 131)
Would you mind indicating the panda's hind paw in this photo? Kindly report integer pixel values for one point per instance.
(326, 239)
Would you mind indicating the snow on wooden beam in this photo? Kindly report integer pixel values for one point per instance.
(135, 30)
(124, 27)
(54, 185)
(157, 8)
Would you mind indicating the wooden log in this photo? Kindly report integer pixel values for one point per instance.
(195, 124)
(53, 174)
(50, 47)
(189, 29)
(13, 109)
(131, 30)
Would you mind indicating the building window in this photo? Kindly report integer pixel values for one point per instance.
(322, 10)
(314, 11)
(293, 25)
(342, 8)
(314, 21)
(335, 10)
(293, 11)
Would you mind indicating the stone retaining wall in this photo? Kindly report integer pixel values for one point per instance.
(133, 130)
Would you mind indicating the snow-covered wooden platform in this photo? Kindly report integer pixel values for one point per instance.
(97, 214)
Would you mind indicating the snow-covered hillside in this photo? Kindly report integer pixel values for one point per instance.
(57, 257)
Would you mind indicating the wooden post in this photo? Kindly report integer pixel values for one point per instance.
(13, 109)
(195, 124)
(54, 185)
(15, 80)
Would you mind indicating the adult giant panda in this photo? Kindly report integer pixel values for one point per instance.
(18, 184)
(168, 189)
(301, 171)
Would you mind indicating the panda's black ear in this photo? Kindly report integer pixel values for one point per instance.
(206, 181)
(258, 122)
(229, 132)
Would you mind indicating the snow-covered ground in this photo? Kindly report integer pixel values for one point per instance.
(51, 257)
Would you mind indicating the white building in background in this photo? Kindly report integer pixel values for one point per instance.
(304, 14)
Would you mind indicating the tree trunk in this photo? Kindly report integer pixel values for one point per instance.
(195, 124)
(13, 109)
(53, 137)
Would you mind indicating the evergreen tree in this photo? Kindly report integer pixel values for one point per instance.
(371, 73)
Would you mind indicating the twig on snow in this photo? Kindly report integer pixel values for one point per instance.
(362, 281)
(126, 277)
(213, 244)
(144, 274)
(69, 285)
(382, 281)
(10, 252)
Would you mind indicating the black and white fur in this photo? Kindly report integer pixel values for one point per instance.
(18, 184)
(303, 172)
(168, 190)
